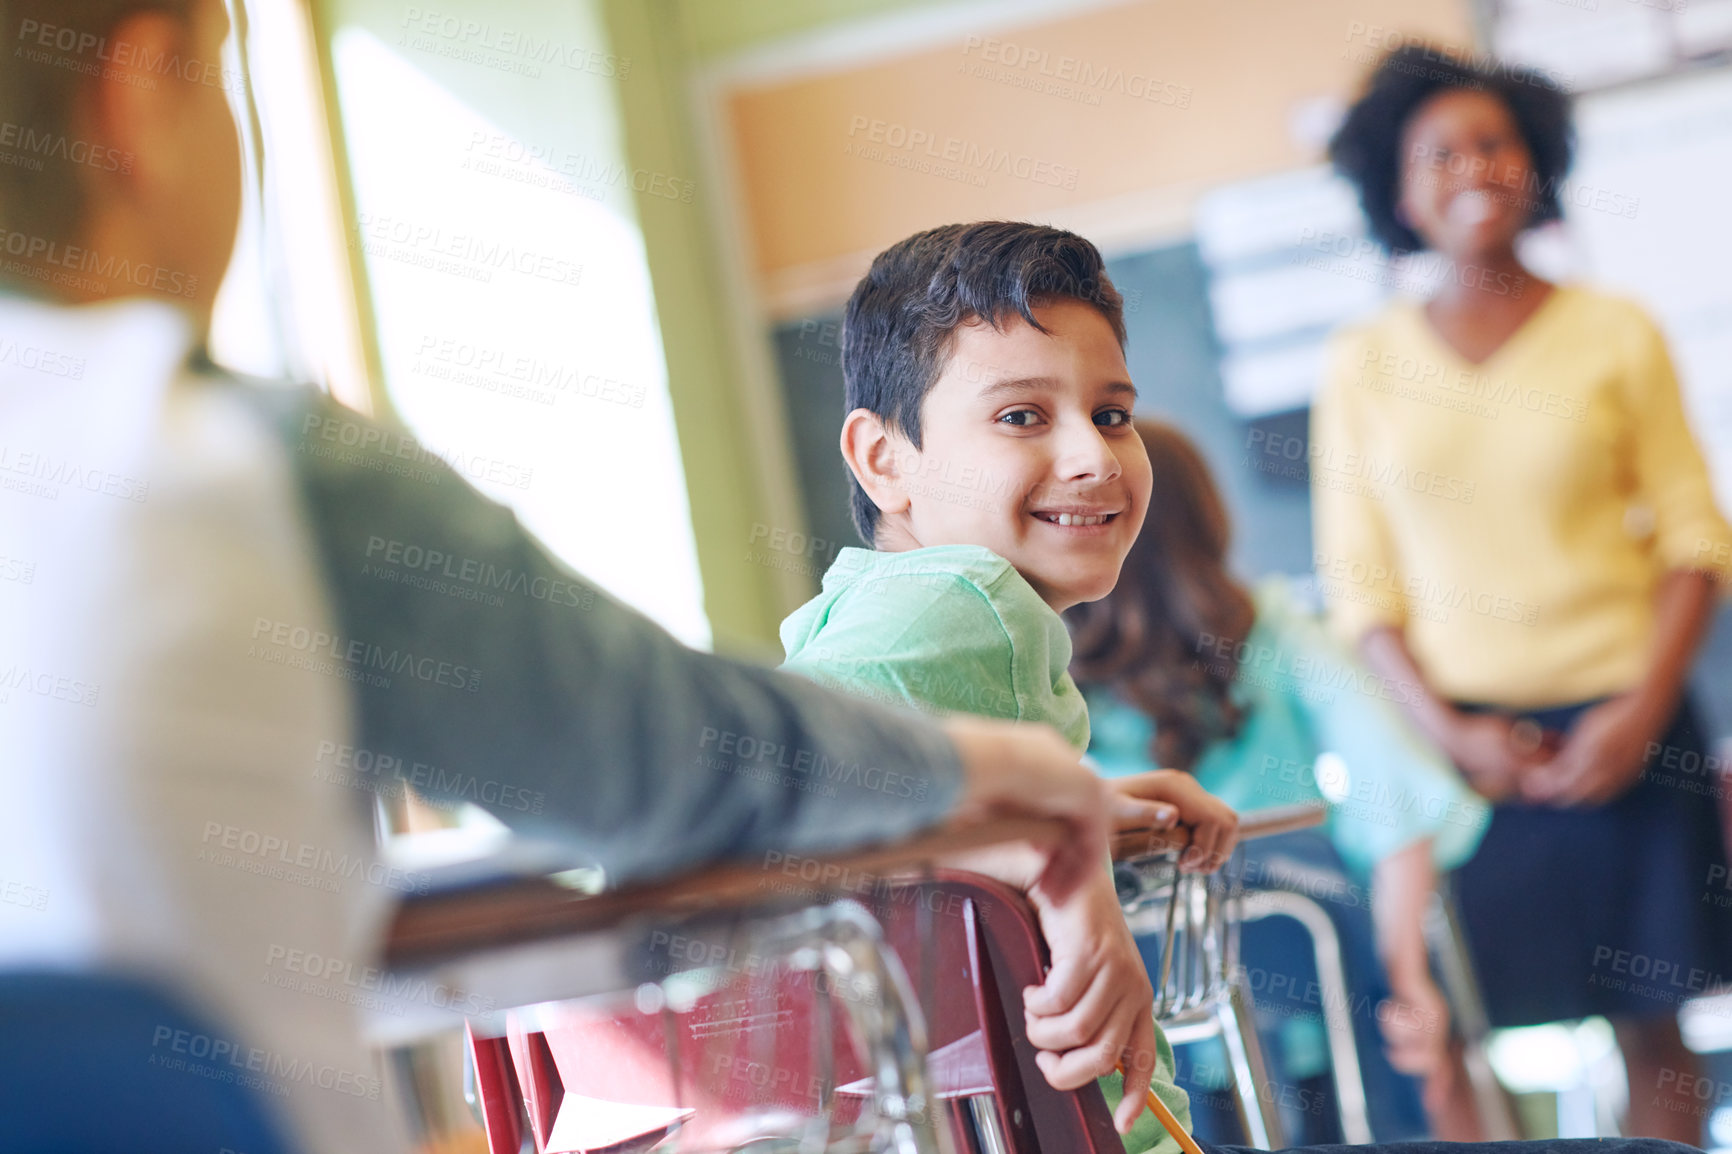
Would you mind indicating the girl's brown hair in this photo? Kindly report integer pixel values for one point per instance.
(1166, 638)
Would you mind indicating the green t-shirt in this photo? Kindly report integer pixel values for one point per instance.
(956, 629)
(950, 629)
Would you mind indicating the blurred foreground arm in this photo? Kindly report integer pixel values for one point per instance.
(488, 672)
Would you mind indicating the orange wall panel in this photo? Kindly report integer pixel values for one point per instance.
(1031, 121)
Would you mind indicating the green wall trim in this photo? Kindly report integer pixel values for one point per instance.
(724, 475)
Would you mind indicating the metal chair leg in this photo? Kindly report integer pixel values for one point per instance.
(1259, 1116)
(983, 1110)
(1332, 984)
(1455, 970)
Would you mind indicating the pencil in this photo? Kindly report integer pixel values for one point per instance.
(1165, 1117)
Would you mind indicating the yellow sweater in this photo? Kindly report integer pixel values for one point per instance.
(1512, 517)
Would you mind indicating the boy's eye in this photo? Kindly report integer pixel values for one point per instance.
(1022, 418)
(1113, 418)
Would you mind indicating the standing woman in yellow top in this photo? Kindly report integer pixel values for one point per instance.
(1515, 525)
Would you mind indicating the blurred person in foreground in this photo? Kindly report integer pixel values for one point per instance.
(1541, 579)
(201, 686)
(1183, 667)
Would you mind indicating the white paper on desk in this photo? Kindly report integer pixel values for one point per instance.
(586, 1124)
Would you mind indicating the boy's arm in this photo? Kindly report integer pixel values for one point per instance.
(1096, 1006)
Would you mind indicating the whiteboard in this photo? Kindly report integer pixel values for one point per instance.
(1667, 144)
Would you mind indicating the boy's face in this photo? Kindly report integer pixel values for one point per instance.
(1028, 449)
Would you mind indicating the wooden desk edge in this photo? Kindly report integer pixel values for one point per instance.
(430, 928)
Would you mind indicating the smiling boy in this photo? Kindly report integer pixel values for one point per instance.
(999, 479)
(995, 472)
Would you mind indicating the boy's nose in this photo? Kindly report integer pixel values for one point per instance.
(1086, 456)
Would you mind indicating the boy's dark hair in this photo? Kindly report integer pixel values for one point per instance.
(1367, 148)
(46, 201)
(903, 315)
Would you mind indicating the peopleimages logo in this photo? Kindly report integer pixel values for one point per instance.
(313, 643)
(78, 259)
(722, 748)
(37, 145)
(348, 765)
(38, 40)
(259, 852)
(885, 140)
(227, 1061)
(327, 971)
(1074, 77)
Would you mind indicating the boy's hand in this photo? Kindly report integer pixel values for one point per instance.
(1012, 770)
(1096, 1007)
(1213, 824)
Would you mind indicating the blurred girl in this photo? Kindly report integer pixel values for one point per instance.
(1184, 668)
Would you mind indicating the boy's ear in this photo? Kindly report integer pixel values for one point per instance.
(874, 456)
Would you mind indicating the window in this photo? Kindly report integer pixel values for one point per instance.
(510, 302)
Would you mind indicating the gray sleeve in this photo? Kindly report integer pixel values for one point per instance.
(489, 672)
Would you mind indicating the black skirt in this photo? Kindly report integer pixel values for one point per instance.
(1622, 909)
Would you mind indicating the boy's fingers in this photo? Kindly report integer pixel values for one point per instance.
(1230, 837)
(1081, 1022)
(1082, 1065)
(1413, 1049)
(1200, 856)
(1219, 838)
(1202, 850)
(1139, 1072)
(1065, 985)
(1138, 813)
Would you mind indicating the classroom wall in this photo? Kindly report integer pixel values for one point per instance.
(1111, 120)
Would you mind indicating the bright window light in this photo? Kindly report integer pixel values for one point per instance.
(514, 312)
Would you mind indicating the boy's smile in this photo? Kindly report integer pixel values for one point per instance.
(1026, 448)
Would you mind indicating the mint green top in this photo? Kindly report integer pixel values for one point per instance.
(1319, 727)
(956, 629)
(950, 629)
